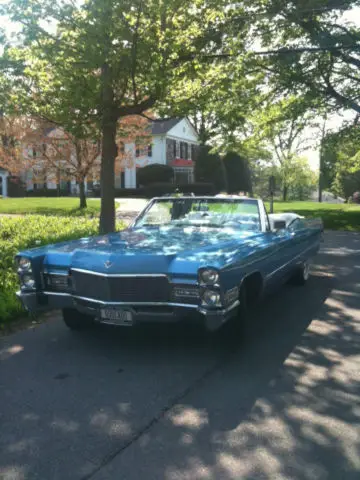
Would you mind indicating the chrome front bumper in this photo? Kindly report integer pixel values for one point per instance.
(159, 312)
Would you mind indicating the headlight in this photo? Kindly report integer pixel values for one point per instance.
(27, 281)
(211, 298)
(24, 263)
(209, 276)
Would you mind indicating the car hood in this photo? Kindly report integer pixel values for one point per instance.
(151, 250)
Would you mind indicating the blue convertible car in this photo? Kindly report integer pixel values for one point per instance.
(204, 259)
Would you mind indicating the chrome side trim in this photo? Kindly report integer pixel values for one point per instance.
(290, 261)
(21, 293)
(60, 274)
(60, 294)
(128, 275)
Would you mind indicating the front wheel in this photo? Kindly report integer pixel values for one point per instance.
(76, 320)
(302, 274)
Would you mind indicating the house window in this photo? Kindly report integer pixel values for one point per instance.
(186, 151)
(193, 152)
(143, 150)
(182, 149)
(177, 154)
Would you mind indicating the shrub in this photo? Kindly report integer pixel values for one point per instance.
(47, 192)
(16, 187)
(237, 173)
(155, 173)
(209, 168)
(27, 232)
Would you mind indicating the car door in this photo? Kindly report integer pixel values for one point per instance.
(279, 251)
(300, 235)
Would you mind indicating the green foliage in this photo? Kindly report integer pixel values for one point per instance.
(340, 162)
(237, 173)
(301, 180)
(261, 173)
(327, 77)
(27, 232)
(155, 173)
(61, 206)
(209, 168)
(88, 64)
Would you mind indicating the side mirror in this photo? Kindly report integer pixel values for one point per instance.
(279, 224)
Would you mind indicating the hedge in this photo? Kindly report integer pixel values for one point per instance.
(27, 232)
(159, 189)
(47, 192)
(154, 173)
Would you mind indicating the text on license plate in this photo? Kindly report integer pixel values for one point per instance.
(116, 316)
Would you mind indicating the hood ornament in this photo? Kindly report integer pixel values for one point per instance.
(107, 264)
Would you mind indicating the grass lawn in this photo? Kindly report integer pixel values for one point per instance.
(60, 206)
(335, 216)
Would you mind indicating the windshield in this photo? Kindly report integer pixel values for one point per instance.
(202, 212)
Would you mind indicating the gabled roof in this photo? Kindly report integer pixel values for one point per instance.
(161, 126)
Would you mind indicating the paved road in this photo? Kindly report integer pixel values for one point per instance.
(129, 208)
(282, 402)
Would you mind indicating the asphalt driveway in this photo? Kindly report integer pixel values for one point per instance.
(282, 402)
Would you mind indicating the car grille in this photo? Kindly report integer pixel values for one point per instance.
(121, 289)
(56, 282)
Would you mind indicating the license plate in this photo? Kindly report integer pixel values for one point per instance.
(116, 316)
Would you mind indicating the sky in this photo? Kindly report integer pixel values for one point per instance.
(333, 123)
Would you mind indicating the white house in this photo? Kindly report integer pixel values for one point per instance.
(174, 143)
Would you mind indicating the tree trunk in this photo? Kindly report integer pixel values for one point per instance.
(107, 180)
(285, 193)
(108, 152)
(320, 187)
(82, 194)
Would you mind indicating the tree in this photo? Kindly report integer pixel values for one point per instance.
(106, 59)
(283, 125)
(237, 173)
(57, 155)
(261, 173)
(14, 130)
(209, 168)
(341, 160)
(317, 50)
(302, 180)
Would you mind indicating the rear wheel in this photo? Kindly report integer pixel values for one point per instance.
(76, 320)
(302, 274)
